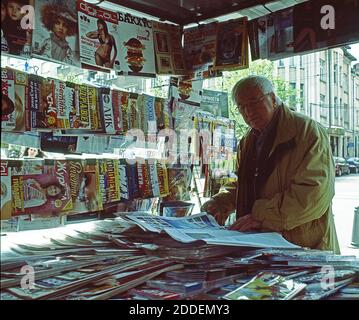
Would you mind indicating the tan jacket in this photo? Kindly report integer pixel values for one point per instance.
(296, 198)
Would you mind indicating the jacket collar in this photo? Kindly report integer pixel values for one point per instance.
(286, 130)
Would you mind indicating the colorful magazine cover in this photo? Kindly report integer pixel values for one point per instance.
(179, 180)
(200, 48)
(99, 37)
(215, 102)
(84, 186)
(8, 101)
(107, 111)
(283, 33)
(55, 36)
(168, 48)
(186, 89)
(22, 101)
(47, 193)
(267, 286)
(6, 192)
(15, 39)
(42, 103)
(232, 48)
(136, 38)
(117, 99)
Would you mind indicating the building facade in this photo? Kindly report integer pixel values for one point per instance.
(327, 88)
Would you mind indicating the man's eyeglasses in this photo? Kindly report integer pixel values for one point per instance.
(243, 107)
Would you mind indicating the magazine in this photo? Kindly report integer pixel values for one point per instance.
(267, 286)
(55, 36)
(200, 48)
(6, 192)
(99, 37)
(232, 48)
(8, 101)
(15, 39)
(215, 102)
(136, 39)
(168, 48)
(47, 193)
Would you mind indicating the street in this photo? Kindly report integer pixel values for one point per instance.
(345, 200)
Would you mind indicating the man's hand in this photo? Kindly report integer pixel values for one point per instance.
(216, 210)
(246, 223)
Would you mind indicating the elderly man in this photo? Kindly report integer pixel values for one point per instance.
(285, 172)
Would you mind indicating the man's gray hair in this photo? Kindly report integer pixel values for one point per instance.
(251, 82)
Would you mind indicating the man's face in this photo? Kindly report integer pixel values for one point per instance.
(60, 28)
(256, 107)
(14, 11)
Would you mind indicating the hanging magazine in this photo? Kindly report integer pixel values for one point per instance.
(232, 48)
(200, 47)
(136, 43)
(99, 37)
(15, 34)
(55, 36)
(168, 48)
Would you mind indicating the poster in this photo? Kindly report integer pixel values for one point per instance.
(55, 36)
(341, 28)
(200, 48)
(232, 48)
(15, 39)
(99, 37)
(215, 102)
(136, 40)
(168, 48)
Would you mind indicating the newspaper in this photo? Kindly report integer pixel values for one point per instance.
(204, 227)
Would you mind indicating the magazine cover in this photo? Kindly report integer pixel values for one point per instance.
(283, 33)
(45, 193)
(21, 101)
(55, 36)
(117, 99)
(84, 186)
(253, 39)
(94, 108)
(179, 180)
(99, 37)
(107, 111)
(15, 39)
(215, 102)
(42, 103)
(6, 204)
(267, 286)
(8, 110)
(232, 48)
(136, 40)
(168, 48)
(186, 89)
(200, 47)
